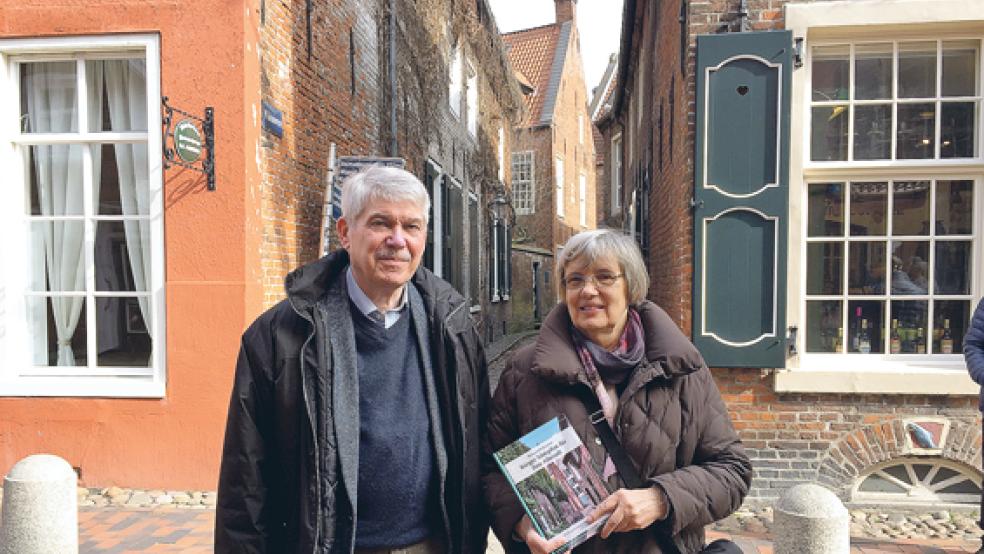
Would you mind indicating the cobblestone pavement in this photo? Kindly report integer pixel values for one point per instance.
(117, 530)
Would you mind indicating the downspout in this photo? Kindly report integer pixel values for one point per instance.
(743, 25)
(394, 146)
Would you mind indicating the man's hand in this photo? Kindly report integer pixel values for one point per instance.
(538, 545)
(631, 509)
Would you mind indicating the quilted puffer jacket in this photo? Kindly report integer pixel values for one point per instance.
(670, 420)
(974, 349)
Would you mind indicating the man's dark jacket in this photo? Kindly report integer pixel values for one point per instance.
(281, 487)
(974, 350)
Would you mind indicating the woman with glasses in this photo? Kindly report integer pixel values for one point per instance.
(604, 345)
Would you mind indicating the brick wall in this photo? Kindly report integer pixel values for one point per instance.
(832, 439)
(338, 90)
(323, 101)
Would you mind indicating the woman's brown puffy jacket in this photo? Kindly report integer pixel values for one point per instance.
(670, 420)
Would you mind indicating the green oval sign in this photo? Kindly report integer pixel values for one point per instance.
(187, 141)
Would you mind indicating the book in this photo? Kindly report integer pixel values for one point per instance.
(556, 480)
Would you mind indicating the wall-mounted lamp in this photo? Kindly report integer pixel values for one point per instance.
(798, 52)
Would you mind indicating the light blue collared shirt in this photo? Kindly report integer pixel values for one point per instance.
(366, 306)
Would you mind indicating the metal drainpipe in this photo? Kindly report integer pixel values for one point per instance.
(394, 146)
(743, 25)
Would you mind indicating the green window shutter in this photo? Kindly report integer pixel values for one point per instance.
(741, 194)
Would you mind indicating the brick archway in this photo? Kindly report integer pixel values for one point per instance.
(853, 454)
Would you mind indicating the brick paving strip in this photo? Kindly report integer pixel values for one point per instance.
(118, 530)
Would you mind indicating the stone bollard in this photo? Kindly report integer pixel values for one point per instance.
(40, 507)
(810, 519)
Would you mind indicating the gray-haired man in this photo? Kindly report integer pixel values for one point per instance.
(358, 401)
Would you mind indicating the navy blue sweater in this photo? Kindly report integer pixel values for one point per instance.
(397, 476)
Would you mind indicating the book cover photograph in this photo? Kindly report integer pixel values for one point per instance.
(556, 480)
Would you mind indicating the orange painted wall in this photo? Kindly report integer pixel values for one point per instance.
(207, 58)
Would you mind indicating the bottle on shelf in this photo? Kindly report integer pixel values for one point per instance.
(855, 342)
(946, 344)
(838, 340)
(864, 338)
(920, 342)
(895, 346)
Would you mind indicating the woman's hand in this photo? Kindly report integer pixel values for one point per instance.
(631, 509)
(538, 545)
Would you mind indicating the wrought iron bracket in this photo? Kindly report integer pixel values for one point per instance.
(205, 164)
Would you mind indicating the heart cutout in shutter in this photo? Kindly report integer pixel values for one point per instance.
(742, 90)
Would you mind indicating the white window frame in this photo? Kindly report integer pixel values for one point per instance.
(530, 183)
(582, 199)
(455, 81)
(616, 175)
(823, 23)
(502, 154)
(559, 185)
(471, 98)
(580, 128)
(18, 377)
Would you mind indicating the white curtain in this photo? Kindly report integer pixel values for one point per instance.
(126, 95)
(51, 106)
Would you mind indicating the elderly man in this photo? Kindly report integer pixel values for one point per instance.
(358, 401)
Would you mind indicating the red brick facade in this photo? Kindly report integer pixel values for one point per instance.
(338, 90)
(557, 128)
(832, 439)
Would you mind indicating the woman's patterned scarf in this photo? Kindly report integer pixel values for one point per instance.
(611, 367)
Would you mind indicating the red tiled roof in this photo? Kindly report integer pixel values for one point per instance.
(531, 53)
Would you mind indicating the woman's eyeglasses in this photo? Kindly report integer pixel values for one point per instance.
(576, 281)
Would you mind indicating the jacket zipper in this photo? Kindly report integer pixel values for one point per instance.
(311, 424)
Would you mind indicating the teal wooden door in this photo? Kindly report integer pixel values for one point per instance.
(741, 198)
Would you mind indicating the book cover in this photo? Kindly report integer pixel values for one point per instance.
(556, 481)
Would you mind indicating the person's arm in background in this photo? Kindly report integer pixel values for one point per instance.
(973, 345)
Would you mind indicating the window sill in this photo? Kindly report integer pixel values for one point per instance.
(88, 387)
(924, 375)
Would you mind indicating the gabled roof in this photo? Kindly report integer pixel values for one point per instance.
(601, 102)
(538, 54)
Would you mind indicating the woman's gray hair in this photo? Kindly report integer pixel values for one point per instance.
(382, 183)
(586, 247)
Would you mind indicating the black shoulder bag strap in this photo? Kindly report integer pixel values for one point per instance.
(626, 469)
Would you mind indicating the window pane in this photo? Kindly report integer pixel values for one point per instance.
(865, 326)
(866, 268)
(952, 266)
(829, 134)
(830, 72)
(911, 329)
(824, 267)
(876, 483)
(57, 330)
(823, 326)
(899, 472)
(48, 99)
(112, 258)
(54, 179)
(869, 208)
(120, 173)
(826, 210)
(957, 124)
(911, 208)
(960, 68)
(916, 131)
(55, 256)
(954, 207)
(956, 314)
(873, 132)
(909, 267)
(121, 334)
(873, 71)
(917, 70)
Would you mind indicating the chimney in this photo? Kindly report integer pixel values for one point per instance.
(566, 10)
